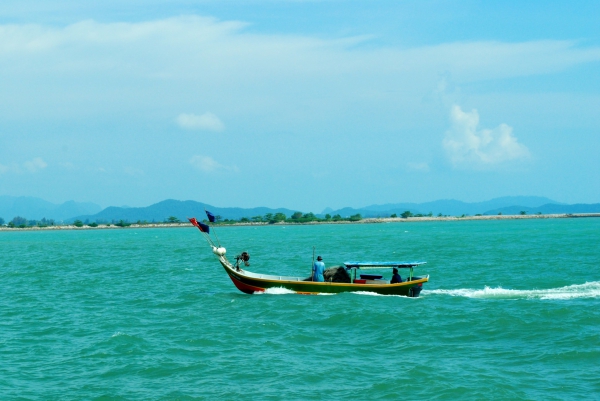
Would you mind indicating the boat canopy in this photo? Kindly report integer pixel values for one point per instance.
(380, 265)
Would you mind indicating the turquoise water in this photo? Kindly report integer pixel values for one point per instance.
(512, 311)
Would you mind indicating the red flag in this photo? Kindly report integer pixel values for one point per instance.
(202, 227)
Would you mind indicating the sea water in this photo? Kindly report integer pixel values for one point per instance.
(511, 311)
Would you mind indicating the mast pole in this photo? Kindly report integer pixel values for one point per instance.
(312, 275)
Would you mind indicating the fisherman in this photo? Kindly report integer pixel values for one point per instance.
(396, 277)
(318, 270)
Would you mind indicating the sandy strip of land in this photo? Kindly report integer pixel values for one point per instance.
(363, 221)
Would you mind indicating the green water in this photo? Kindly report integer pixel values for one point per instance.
(512, 311)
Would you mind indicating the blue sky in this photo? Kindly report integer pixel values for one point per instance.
(299, 104)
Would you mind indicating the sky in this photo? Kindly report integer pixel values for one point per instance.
(299, 104)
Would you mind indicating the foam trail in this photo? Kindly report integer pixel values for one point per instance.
(276, 291)
(283, 291)
(373, 294)
(587, 290)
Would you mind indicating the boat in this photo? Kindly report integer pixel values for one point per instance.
(249, 282)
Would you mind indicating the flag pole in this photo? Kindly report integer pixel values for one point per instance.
(207, 215)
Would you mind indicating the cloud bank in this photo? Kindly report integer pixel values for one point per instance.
(466, 145)
(218, 62)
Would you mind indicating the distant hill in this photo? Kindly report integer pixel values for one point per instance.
(548, 209)
(449, 207)
(36, 209)
(180, 209)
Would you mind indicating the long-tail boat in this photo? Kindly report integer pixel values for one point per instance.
(250, 283)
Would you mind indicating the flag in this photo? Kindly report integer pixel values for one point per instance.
(194, 221)
(211, 217)
(203, 227)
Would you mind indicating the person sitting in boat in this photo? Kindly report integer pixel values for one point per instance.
(318, 270)
(396, 277)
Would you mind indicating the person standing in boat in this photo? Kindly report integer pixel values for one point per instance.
(318, 270)
(396, 277)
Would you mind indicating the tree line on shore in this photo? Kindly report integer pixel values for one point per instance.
(296, 217)
(269, 218)
(22, 222)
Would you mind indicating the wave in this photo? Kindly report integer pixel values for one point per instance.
(374, 294)
(587, 290)
(276, 291)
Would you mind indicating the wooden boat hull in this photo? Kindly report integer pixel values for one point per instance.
(250, 283)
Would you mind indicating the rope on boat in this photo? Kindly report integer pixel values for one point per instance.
(219, 251)
(208, 239)
(213, 227)
(202, 227)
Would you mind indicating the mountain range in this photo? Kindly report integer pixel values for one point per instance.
(36, 208)
(451, 207)
(180, 209)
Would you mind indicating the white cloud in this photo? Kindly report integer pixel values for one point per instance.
(468, 146)
(209, 165)
(30, 166)
(207, 121)
(35, 165)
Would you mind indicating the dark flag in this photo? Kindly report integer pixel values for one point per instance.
(203, 227)
(211, 217)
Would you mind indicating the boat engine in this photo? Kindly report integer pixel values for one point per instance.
(414, 292)
(243, 257)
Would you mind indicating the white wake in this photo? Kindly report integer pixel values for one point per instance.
(587, 290)
(276, 291)
(284, 291)
(373, 294)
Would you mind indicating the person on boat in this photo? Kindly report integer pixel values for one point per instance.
(318, 270)
(396, 277)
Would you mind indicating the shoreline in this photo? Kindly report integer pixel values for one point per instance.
(371, 220)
